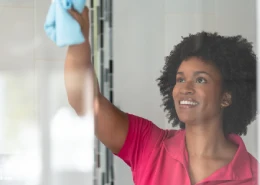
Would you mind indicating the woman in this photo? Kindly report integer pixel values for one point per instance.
(208, 85)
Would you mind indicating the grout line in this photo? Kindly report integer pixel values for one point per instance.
(20, 7)
(34, 62)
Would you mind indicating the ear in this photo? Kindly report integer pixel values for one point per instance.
(226, 100)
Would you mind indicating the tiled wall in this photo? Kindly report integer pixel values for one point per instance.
(102, 57)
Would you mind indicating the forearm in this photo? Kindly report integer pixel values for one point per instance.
(77, 67)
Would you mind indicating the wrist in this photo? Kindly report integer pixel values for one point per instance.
(79, 51)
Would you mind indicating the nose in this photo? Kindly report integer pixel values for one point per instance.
(187, 88)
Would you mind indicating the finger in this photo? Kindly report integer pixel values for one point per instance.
(72, 11)
(76, 16)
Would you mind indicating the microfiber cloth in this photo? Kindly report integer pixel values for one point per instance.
(60, 26)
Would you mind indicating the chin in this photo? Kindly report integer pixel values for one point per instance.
(188, 116)
(192, 120)
(186, 119)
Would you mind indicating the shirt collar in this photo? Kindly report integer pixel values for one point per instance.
(238, 169)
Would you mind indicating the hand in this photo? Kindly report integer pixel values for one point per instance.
(81, 52)
(83, 20)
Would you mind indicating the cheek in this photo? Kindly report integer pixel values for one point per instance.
(175, 96)
(174, 92)
(210, 96)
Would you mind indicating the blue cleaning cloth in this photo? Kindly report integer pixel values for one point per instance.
(60, 26)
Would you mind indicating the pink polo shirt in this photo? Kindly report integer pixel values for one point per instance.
(159, 157)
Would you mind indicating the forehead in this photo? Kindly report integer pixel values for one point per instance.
(195, 64)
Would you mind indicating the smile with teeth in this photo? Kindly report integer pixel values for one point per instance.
(186, 102)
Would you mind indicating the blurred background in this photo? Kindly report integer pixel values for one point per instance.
(42, 141)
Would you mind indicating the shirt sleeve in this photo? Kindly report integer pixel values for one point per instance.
(140, 141)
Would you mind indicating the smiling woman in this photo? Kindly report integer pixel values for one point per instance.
(209, 89)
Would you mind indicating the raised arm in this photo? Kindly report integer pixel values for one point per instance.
(111, 123)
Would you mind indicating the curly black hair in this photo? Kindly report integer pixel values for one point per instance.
(236, 61)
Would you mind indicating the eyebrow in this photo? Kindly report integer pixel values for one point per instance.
(196, 73)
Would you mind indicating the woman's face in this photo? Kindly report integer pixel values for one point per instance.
(197, 94)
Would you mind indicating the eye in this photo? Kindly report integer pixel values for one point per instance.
(179, 80)
(201, 80)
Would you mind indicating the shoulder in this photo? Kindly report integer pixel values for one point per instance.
(254, 163)
(154, 134)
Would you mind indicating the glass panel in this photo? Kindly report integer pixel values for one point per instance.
(72, 138)
(19, 131)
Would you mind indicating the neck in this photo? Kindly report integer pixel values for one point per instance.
(205, 140)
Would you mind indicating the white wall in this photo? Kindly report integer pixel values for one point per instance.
(146, 31)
